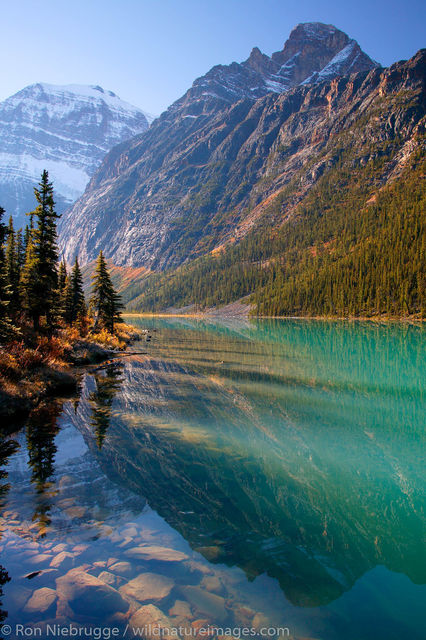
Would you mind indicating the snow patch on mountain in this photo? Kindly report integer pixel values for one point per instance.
(66, 129)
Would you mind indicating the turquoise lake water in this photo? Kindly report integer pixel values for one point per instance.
(262, 475)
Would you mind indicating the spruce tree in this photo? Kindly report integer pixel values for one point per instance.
(41, 298)
(62, 288)
(105, 302)
(12, 269)
(75, 306)
(20, 249)
(30, 285)
(6, 328)
(62, 276)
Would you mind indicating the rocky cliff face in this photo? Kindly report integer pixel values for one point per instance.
(175, 178)
(64, 129)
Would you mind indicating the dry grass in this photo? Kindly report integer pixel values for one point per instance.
(18, 359)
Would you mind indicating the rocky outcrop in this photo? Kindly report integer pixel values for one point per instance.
(172, 180)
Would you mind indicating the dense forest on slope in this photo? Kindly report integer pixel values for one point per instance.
(351, 248)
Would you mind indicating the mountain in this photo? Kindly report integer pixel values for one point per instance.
(320, 210)
(181, 167)
(64, 129)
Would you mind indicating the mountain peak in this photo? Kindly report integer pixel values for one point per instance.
(66, 129)
(315, 30)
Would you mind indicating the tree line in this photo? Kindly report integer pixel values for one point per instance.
(37, 291)
(345, 252)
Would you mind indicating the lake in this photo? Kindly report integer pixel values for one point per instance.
(262, 477)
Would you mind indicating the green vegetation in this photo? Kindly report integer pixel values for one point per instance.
(43, 316)
(352, 248)
(104, 301)
(36, 296)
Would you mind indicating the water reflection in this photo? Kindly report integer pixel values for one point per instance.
(41, 430)
(107, 382)
(7, 448)
(288, 450)
(273, 449)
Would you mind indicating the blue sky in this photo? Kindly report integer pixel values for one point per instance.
(150, 51)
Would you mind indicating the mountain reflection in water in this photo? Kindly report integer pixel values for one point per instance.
(282, 448)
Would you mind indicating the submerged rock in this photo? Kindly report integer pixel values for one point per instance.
(89, 596)
(111, 579)
(157, 553)
(205, 602)
(148, 620)
(121, 568)
(180, 609)
(41, 601)
(148, 586)
(64, 560)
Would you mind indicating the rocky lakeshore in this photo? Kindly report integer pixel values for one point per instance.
(24, 390)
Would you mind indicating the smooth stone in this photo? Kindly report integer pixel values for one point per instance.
(121, 568)
(64, 560)
(87, 595)
(41, 601)
(129, 532)
(180, 609)
(111, 579)
(148, 586)
(39, 558)
(205, 602)
(149, 618)
(59, 547)
(212, 583)
(154, 552)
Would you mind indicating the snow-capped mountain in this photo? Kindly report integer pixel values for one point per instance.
(64, 129)
(313, 52)
(132, 204)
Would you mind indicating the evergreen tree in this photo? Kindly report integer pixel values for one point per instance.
(30, 285)
(41, 298)
(105, 302)
(75, 306)
(12, 269)
(62, 276)
(62, 287)
(20, 249)
(6, 327)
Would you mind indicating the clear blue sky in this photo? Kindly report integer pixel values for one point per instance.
(150, 51)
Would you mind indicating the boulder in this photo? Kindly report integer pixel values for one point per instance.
(180, 609)
(89, 596)
(111, 579)
(212, 583)
(153, 552)
(121, 568)
(148, 620)
(148, 586)
(64, 560)
(204, 602)
(41, 601)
